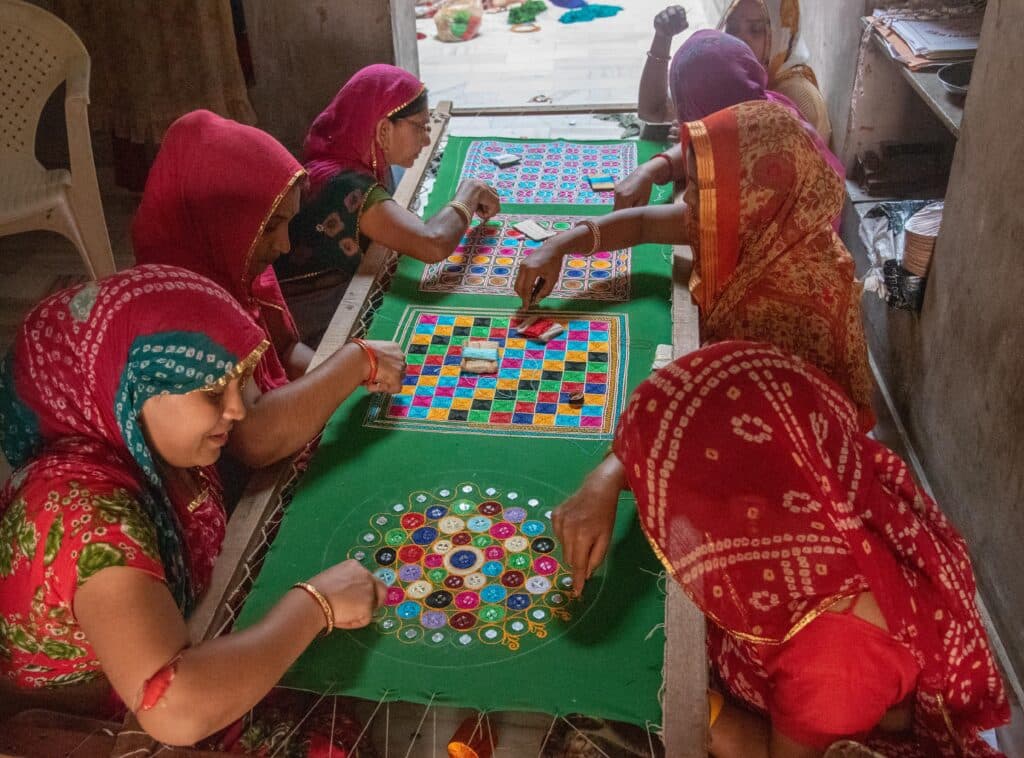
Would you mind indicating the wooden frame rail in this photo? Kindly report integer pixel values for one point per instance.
(543, 109)
(685, 703)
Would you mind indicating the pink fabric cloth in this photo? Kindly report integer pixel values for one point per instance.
(212, 189)
(343, 137)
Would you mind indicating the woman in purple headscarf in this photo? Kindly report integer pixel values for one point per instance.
(711, 71)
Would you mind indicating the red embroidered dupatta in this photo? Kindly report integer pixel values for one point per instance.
(344, 138)
(211, 191)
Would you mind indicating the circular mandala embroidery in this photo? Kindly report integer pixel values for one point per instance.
(466, 566)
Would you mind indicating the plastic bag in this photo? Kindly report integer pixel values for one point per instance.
(458, 20)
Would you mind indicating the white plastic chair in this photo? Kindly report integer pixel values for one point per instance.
(38, 52)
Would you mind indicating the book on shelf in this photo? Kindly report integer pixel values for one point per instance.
(940, 39)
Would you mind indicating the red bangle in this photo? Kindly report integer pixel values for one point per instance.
(153, 689)
(371, 356)
(671, 168)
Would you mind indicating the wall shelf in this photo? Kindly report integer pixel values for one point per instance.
(947, 107)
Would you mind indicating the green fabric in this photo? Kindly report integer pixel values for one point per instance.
(19, 426)
(606, 659)
(527, 12)
(325, 232)
(455, 155)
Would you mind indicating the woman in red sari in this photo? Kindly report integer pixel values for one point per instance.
(115, 402)
(768, 266)
(378, 120)
(839, 599)
(218, 201)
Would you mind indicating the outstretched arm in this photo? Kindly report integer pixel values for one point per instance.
(136, 630)
(280, 422)
(653, 104)
(435, 239)
(635, 189)
(585, 521)
(538, 273)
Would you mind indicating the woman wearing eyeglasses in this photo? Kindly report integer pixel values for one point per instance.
(379, 119)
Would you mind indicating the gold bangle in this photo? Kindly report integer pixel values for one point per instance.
(463, 210)
(595, 232)
(325, 606)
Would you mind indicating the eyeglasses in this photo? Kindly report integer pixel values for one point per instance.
(422, 126)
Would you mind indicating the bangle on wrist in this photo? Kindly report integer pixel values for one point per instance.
(655, 56)
(671, 168)
(322, 601)
(595, 234)
(463, 210)
(371, 358)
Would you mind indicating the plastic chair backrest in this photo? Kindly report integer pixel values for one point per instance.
(35, 48)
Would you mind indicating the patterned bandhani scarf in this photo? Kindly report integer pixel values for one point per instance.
(766, 503)
(83, 363)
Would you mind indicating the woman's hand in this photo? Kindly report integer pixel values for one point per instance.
(486, 204)
(353, 592)
(390, 367)
(539, 269)
(635, 189)
(584, 523)
(479, 197)
(671, 21)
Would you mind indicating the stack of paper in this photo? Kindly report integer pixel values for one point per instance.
(940, 38)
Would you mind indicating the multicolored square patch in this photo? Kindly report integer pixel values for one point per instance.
(530, 394)
(486, 261)
(550, 172)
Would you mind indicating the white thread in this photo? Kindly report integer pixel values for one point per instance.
(581, 734)
(372, 716)
(416, 734)
(544, 742)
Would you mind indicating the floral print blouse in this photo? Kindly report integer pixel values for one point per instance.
(50, 543)
(325, 233)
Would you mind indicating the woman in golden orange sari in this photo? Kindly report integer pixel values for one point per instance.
(757, 211)
(772, 30)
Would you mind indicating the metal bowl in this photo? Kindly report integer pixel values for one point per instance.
(956, 77)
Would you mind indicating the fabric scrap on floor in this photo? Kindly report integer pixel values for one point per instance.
(588, 12)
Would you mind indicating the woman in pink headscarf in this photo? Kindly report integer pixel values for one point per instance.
(217, 202)
(711, 71)
(379, 119)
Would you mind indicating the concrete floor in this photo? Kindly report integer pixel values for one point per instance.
(595, 62)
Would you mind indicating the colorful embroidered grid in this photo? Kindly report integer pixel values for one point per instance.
(529, 394)
(486, 260)
(550, 172)
(465, 566)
